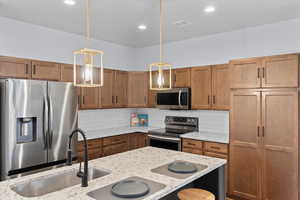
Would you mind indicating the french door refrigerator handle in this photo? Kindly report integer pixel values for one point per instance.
(50, 122)
(45, 122)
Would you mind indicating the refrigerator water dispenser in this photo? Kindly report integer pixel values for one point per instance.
(26, 129)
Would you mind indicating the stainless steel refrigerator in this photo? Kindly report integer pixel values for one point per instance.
(36, 120)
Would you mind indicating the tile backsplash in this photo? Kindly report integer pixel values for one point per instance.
(209, 120)
(104, 118)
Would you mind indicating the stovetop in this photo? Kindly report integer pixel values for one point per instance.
(168, 132)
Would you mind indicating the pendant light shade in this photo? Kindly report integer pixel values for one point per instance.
(160, 73)
(88, 63)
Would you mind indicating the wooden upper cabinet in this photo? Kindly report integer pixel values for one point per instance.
(45, 70)
(138, 89)
(220, 87)
(280, 144)
(107, 98)
(66, 73)
(182, 77)
(15, 67)
(89, 98)
(120, 88)
(201, 87)
(280, 71)
(245, 73)
(244, 165)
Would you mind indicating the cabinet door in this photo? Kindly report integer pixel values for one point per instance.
(107, 98)
(120, 88)
(137, 89)
(152, 98)
(66, 73)
(182, 77)
(15, 67)
(244, 166)
(220, 87)
(45, 70)
(245, 73)
(280, 71)
(280, 145)
(201, 87)
(89, 98)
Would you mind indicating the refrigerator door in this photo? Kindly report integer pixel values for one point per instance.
(62, 119)
(23, 132)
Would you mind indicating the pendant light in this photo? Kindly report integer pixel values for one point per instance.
(160, 72)
(88, 62)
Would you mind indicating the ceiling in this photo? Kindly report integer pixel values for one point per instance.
(117, 20)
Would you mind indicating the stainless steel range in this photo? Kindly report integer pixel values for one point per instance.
(169, 137)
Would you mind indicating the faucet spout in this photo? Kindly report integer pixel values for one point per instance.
(84, 175)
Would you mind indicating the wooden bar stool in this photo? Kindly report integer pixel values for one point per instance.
(195, 194)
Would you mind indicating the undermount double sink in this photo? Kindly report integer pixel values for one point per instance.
(44, 185)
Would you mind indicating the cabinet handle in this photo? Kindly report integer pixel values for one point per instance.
(213, 147)
(263, 131)
(258, 131)
(34, 69)
(258, 73)
(191, 144)
(26, 69)
(82, 99)
(174, 77)
(263, 72)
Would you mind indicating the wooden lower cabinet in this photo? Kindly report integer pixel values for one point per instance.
(112, 145)
(137, 140)
(264, 141)
(94, 149)
(211, 149)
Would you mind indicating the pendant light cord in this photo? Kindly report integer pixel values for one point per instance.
(88, 21)
(161, 31)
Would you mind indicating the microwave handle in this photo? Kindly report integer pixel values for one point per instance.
(179, 98)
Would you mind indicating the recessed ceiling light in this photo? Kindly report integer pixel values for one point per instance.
(142, 27)
(70, 2)
(209, 9)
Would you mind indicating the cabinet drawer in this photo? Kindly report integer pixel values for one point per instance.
(187, 143)
(115, 140)
(92, 144)
(113, 149)
(216, 155)
(92, 154)
(216, 147)
(192, 150)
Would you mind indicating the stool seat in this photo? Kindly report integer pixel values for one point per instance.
(195, 194)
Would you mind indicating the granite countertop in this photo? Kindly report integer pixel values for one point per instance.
(114, 131)
(208, 136)
(132, 163)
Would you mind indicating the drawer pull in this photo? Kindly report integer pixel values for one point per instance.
(191, 144)
(218, 148)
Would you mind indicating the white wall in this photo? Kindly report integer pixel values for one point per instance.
(271, 39)
(31, 41)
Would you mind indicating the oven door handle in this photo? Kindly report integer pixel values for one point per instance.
(164, 138)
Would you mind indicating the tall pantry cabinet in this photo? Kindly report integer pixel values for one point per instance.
(264, 126)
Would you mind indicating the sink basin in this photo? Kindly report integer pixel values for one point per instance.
(44, 185)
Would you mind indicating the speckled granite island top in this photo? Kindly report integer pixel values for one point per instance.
(132, 163)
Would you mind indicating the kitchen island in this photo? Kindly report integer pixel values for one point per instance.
(138, 163)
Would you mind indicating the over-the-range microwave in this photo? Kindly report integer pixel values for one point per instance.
(174, 99)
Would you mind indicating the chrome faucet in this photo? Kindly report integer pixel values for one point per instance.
(83, 175)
